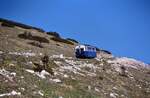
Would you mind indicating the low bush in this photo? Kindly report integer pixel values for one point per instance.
(40, 39)
(101, 50)
(37, 44)
(37, 67)
(25, 35)
(57, 44)
(101, 77)
(55, 34)
(28, 35)
(47, 65)
(5, 24)
(97, 49)
(123, 71)
(106, 51)
(73, 40)
(62, 40)
(148, 72)
(12, 23)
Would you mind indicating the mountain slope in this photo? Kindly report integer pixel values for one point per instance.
(23, 73)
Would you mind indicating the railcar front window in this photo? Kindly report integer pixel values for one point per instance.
(82, 49)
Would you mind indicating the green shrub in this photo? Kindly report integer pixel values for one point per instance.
(13, 23)
(123, 71)
(62, 40)
(38, 67)
(37, 44)
(55, 34)
(5, 24)
(97, 49)
(106, 51)
(73, 40)
(40, 39)
(28, 35)
(47, 65)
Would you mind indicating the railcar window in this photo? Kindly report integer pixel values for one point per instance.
(82, 49)
(89, 48)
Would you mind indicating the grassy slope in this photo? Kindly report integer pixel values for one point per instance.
(81, 81)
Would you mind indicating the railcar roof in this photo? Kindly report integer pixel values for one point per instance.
(86, 45)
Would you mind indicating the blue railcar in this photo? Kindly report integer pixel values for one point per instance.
(85, 51)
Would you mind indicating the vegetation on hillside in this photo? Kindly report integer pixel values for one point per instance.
(29, 36)
(73, 40)
(55, 34)
(49, 69)
(57, 39)
(12, 24)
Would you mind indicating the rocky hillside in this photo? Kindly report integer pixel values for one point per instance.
(34, 64)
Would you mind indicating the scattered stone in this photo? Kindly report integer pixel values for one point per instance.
(22, 89)
(61, 56)
(60, 97)
(22, 77)
(7, 74)
(41, 74)
(11, 64)
(30, 71)
(56, 80)
(26, 54)
(30, 62)
(12, 93)
(113, 95)
(58, 56)
(13, 73)
(41, 54)
(40, 93)
(96, 89)
(66, 76)
(89, 87)
(1, 52)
